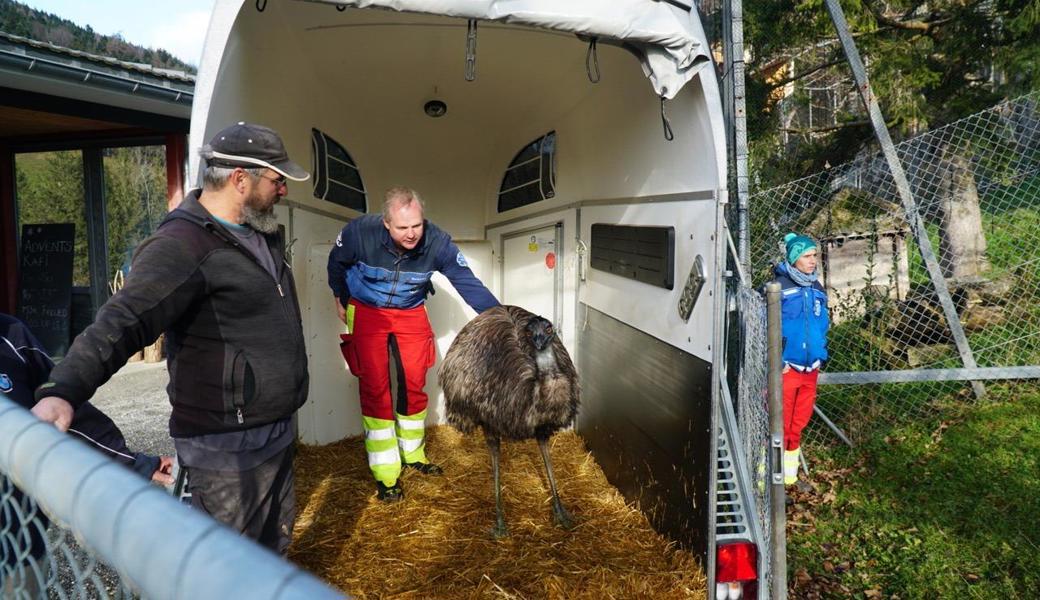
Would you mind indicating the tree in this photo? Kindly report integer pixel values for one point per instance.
(929, 64)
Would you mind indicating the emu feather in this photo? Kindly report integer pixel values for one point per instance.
(509, 374)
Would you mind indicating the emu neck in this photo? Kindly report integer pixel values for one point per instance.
(546, 360)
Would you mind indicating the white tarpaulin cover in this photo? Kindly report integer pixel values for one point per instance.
(669, 40)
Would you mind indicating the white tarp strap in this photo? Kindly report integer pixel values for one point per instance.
(669, 40)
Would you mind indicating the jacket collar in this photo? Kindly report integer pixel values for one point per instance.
(190, 209)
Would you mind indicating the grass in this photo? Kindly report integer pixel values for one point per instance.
(944, 507)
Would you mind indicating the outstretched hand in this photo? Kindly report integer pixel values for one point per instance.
(54, 410)
(164, 474)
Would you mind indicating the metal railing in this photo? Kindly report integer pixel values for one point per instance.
(112, 534)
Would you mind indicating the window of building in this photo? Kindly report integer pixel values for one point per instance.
(336, 176)
(531, 176)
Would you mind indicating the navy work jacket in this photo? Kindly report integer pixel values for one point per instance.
(365, 265)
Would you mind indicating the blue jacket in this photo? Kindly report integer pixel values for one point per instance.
(804, 319)
(24, 365)
(365, 265)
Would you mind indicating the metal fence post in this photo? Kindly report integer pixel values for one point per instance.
(776, 442)
(739, 116)
(913, 216)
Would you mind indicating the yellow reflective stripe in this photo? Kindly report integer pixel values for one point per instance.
(350, 318)
(374, 423)
(387, 474)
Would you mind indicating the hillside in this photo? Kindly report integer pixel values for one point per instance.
(19, 19)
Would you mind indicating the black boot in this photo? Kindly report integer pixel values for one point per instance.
(391, 493)
(425, 468)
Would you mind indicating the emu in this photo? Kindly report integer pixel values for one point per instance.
(509, 374)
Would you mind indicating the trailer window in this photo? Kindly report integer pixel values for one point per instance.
(336, 177)
(531, 176)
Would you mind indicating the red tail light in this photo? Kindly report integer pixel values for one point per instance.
(736, 562)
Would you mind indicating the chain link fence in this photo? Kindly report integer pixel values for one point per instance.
(41, 559)
(976, 184)
(749, 337)
(75, 524)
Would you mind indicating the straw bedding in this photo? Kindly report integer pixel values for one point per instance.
(436, 543)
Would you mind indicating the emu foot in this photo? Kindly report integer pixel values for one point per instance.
(499, 531)
(563, 518)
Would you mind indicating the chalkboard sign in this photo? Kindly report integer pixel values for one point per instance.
(45, 294)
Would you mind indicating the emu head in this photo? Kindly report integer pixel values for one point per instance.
(540, 332)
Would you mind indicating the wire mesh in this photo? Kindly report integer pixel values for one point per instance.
(753, 408)
(976, 184)
(41, 559)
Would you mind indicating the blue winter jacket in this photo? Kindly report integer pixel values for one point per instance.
(804, 320)
(365, 265)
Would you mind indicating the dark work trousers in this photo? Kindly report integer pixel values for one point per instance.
(260, 502)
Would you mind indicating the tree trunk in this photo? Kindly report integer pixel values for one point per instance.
(962, 242)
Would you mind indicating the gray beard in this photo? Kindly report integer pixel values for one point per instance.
(264, 221)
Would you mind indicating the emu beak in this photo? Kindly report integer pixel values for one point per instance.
(541, 340)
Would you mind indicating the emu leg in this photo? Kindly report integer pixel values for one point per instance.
(560, 515)
(499, 530)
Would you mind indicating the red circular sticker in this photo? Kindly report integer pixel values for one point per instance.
(550, 260)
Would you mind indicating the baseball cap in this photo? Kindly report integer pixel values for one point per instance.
(249, 146)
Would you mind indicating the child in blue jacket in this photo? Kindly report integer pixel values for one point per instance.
(804, 318)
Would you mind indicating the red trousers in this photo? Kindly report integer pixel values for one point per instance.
(799, 398)
(380, 335)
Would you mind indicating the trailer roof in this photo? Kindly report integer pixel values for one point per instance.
(666, 36)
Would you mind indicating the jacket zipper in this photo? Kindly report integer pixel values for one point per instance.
(807, 306)
(397, 278)
(278, 286)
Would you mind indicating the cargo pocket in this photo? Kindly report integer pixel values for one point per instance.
(431, 352)
(346, 347)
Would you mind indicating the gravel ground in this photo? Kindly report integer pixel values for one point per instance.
(135, 398)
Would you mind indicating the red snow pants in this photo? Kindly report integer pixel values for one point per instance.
(799, 399)
(380, 335)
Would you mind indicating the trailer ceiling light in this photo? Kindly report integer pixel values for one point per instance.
(435, 108)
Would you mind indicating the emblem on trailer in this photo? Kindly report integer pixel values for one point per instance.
(459, 258)
(6, 385)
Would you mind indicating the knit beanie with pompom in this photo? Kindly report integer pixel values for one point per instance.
(797, 245)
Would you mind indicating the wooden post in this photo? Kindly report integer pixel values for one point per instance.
(176, 157)
(8, 234)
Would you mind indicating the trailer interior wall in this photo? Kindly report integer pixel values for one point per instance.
(362, 77)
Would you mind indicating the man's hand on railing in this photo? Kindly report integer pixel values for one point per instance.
(54, 410)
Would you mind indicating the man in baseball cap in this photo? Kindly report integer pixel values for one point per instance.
(249, 146)
(214, 277)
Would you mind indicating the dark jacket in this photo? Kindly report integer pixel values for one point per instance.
(234, 339)
(24, 365)
(804, 320)
(365, 265)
